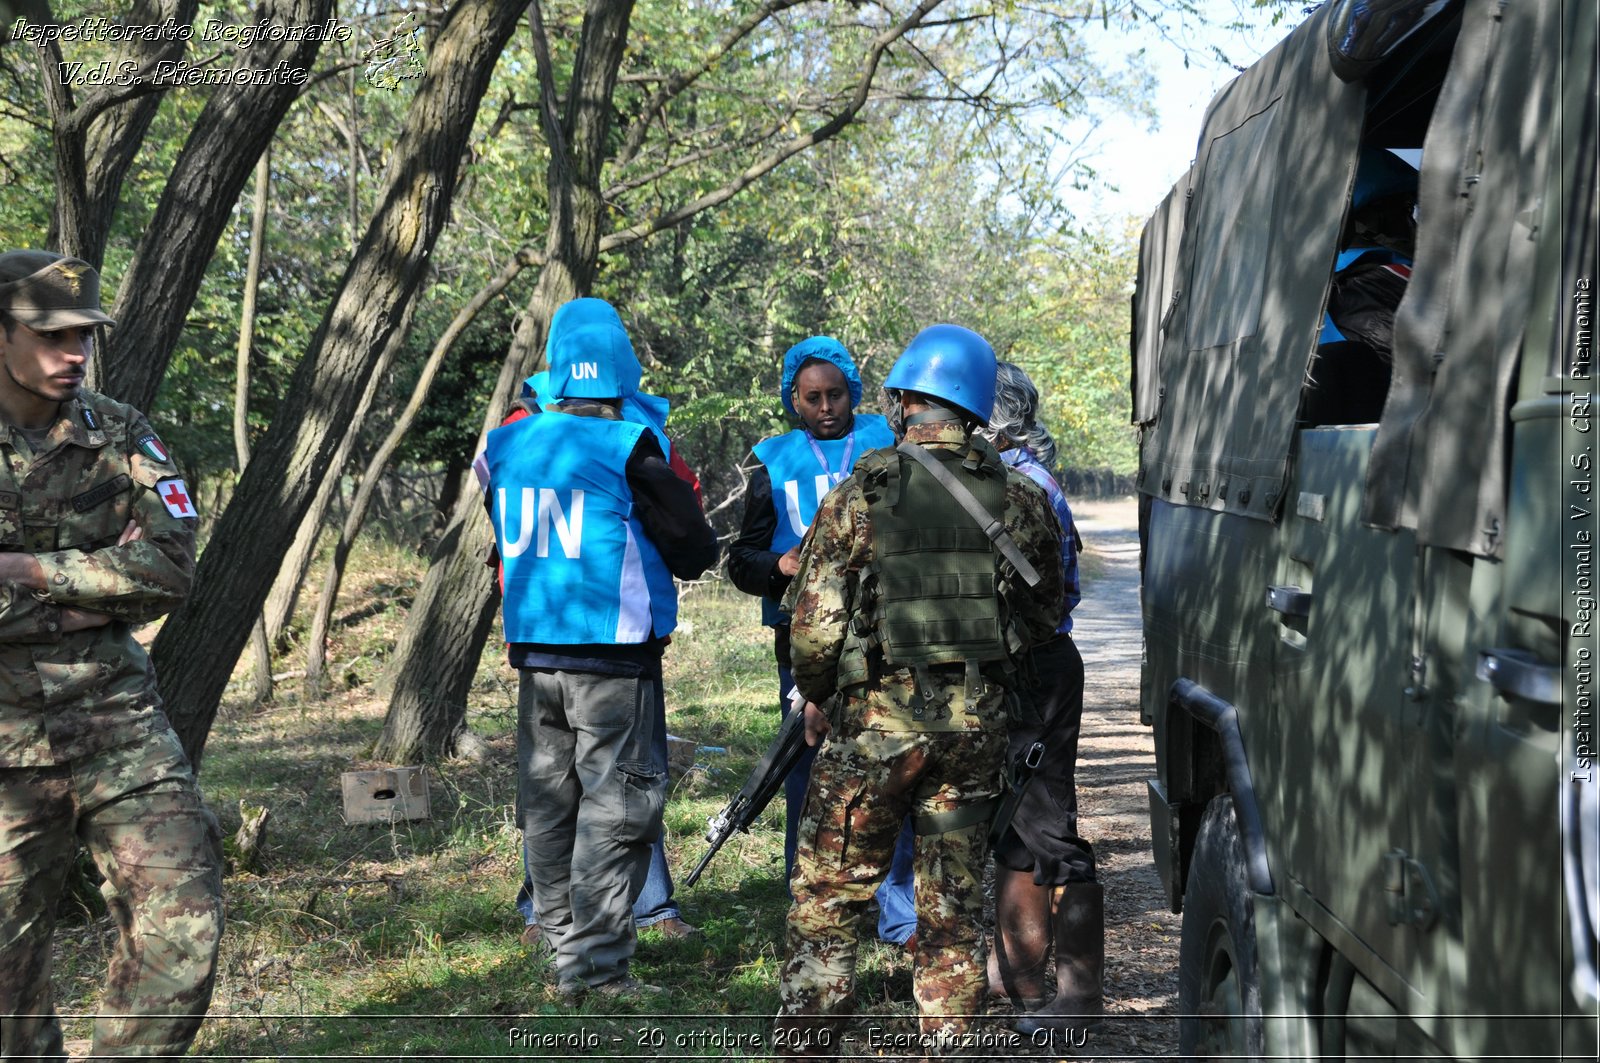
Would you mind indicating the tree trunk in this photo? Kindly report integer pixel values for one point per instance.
(456, 474)
(317, 640)
(423, 716)
(316, 645)
(196, 648)
(161, 282)
(431, 673)
(297, 563)
(260, 648)
(285, 594)
(97, 137)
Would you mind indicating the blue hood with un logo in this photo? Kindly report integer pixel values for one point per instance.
(589, 353)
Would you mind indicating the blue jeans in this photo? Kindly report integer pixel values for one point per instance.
(897, 904)
(654, 904)
(655, 901)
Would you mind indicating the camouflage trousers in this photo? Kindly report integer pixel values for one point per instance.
(862, 786)
(138, 810)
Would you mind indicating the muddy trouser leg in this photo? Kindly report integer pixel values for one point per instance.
(846, 842)
(160, 851)
(37, 845)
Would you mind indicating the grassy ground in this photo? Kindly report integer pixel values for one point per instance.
(400, 941)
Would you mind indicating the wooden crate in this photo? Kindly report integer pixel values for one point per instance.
(385, 795)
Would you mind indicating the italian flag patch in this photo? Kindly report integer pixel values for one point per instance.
(153, 449)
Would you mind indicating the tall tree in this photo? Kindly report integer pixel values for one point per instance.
(422, 713)
(197, 645)
(260, 648)
(97, 136)
(169, 262)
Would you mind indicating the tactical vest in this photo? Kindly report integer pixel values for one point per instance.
(933, 594)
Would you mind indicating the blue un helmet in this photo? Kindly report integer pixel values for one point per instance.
(952, 364)
(589, 353)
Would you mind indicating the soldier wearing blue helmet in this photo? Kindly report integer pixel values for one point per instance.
(591, 525)
(923, 579)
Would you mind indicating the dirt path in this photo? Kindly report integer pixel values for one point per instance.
(1115, 757)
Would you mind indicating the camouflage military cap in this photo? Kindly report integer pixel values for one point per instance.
(44, 290)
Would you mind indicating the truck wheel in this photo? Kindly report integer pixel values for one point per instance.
(1219, 982)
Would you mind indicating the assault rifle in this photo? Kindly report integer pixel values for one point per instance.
(764, 781)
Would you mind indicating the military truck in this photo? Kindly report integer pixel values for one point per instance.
(1362, 371)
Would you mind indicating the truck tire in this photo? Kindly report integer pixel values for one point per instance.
(1219, 980)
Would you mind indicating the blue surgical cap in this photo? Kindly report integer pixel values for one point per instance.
(822, 348)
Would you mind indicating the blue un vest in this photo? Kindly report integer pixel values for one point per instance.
(579, 568)
(799, 481)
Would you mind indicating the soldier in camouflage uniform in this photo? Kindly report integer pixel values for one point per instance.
(97, 534)
(904, 608)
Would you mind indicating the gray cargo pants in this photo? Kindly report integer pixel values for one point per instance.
(589, 800)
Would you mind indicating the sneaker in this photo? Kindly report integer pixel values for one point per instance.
(674, 927)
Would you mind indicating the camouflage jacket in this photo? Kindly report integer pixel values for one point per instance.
(838, 547)
(66, 695)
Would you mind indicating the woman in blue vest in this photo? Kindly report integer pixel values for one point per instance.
(788, 477)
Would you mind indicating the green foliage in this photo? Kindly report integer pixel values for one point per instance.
(446, 429)
(869, 239)
(938, 204)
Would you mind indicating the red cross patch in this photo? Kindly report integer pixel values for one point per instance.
(175, 496)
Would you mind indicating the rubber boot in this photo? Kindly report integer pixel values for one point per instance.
(1080, 963)
(1019, 956)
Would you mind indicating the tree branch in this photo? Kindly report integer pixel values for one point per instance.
(778, 156)
(675, 84)
(554, 135)
(141, 83)
(708, 152)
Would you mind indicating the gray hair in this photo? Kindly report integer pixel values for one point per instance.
(889, 403)
(1016, 412)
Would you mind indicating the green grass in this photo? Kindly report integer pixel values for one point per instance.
(400, 941)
